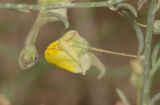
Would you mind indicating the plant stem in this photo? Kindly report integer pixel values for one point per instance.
(27, 7)
(147, 55)
(113, 53)
(33, 33)
(39, 22)
(32, 36)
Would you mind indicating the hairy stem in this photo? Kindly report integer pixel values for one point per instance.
(147, 55)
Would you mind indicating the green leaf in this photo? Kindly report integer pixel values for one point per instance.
(51, 14)
(122, 97)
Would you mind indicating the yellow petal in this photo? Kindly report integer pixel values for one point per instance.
(58, 57)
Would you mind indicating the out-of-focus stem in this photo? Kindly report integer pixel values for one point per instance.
(147, 55)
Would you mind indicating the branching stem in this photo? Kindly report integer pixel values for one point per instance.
(148, 38)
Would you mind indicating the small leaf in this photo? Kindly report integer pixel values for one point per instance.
(122, 97)
(52, 14)
(55, 14)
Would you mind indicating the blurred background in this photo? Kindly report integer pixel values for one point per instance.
(45, 84)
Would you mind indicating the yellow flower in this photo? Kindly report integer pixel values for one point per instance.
(71, 53)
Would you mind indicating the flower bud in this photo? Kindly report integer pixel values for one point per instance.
(28, 56)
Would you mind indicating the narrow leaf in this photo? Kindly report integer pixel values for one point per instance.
(52, 14)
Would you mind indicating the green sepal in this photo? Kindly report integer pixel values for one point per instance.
(28, 56)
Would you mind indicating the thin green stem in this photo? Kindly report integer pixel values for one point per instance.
(39, 22)
(32, 36)
(28, 7)
(113, 52)
(147, 55)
